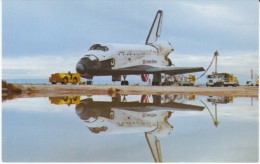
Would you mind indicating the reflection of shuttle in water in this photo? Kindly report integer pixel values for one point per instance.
(127, 114)
(118, 117)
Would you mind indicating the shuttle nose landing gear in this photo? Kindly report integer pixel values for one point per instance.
(124, 82)
(89, 82)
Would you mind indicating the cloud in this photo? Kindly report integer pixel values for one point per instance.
(70, 26)
(38, 66)
(237, 63)
(34, 30)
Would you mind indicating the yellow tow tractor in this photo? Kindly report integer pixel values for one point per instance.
(65, 78)
(65, 100)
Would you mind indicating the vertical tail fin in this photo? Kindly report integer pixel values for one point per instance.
(155, 30)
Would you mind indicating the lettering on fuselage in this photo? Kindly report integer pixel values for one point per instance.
(149, 61)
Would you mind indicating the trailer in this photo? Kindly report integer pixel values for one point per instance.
(179, 80)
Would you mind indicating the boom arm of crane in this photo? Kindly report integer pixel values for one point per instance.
(154, 145)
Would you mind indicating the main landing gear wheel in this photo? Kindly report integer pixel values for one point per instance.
(124, 82)
(155, 83)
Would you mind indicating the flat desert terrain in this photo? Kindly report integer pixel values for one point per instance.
(48, 90)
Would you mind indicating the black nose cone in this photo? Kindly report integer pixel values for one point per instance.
(80, 68)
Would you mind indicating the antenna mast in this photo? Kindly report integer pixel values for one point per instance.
(216, 54)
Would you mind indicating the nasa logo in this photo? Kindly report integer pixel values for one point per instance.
(149, 61)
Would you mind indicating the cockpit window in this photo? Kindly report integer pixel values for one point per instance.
(91, 57)
(98, 129)
(98, 47)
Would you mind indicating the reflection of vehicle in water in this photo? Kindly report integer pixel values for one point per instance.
(65, 100)
(117, 117)
(220, 99)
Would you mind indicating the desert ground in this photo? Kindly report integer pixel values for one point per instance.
(48, 90)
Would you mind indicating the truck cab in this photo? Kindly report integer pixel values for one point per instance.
(249, 83)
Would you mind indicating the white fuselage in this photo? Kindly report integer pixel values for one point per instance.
(101, 57)
(125, 121)
(127, 55)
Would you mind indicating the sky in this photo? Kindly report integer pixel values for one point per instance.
(42, 37)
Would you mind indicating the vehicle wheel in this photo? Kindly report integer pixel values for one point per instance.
(75, 80)
(66, 98)
(75, 98)
(124, 83)
(89, 83)
(155, 83)
(65, 80)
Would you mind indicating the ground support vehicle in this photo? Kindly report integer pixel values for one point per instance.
(65, 100)
(222, 79)
(179, 80)
(65, 78)
(249, 83)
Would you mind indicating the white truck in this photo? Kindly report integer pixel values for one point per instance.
(222, 79)
(249, 83)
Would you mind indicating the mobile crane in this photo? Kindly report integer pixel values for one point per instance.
(221, 79)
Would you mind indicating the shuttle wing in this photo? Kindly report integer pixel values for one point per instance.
(140, 107)
(144, 69)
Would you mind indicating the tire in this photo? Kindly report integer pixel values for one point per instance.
(75, 80)
(124, 83)
(155, 83)
(66, 98)
(65, 80)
